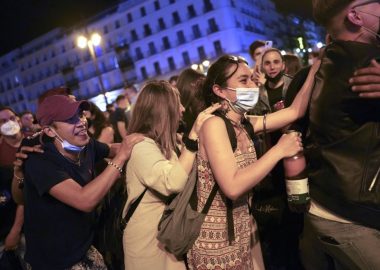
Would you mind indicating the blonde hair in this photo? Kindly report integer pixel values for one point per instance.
(156, 115)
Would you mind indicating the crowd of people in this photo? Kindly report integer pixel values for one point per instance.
(70, 173)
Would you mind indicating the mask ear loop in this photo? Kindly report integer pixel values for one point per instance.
(377, 35)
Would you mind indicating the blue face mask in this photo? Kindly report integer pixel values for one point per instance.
(246, 99)
(68, 146)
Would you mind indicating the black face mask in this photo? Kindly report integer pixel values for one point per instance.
(275, 79)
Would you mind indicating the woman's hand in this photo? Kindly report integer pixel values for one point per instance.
(202, 117)
(289, 144)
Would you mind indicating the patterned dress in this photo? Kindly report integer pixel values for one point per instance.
(212, 250)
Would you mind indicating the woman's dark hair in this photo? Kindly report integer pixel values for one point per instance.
(189, 85)
(99, 121)
(219, 73)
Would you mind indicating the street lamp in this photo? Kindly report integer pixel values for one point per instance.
(90, 43)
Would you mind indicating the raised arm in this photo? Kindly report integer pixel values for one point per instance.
(297, 109)
(232, 181)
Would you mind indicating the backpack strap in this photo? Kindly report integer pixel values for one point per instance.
(230, 130)
(210, 199)
(131, 210)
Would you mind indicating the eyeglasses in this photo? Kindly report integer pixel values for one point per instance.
(366, 3)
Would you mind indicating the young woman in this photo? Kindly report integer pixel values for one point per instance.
(222, 244)
(154, 165)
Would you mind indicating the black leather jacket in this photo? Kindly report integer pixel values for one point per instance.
(343, 144)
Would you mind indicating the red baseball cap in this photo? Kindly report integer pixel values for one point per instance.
(59, 108)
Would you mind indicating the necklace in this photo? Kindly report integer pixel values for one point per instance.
(237, 125)
(234, 123)
(76, 162)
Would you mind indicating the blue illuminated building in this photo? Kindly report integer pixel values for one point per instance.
(141, 40)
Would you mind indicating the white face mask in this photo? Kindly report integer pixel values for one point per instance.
(68, 146)
(246, 99)
(10, 128)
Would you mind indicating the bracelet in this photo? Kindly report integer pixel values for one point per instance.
(20, 180)
(191, 145)
(115, 166)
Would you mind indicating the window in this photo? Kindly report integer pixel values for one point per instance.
(139, 54)
(134, 36)
(171, 64)
(191, 11)
(161, 24)
(144, 74)
(129, 17)
(218, 47)
(165, 43)
(186, 58)
(176, 18)
(105, 29)
(147, 30)
(201, 53)
(207, 6)
(172, 1)
(157, 68)
(117, 24)
(181, 37)
(63, 49)
(156, 5)
(152, 48)
(143, 12)
(196, 31)
(212, 26)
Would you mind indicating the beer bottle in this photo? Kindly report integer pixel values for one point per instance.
(297, 186)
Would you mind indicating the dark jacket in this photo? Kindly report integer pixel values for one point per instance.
(344, 137)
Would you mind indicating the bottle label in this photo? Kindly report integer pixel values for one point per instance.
(298, 191)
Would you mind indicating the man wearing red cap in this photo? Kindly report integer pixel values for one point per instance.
(61, 190)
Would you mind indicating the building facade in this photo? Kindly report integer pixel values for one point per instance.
(140, 40)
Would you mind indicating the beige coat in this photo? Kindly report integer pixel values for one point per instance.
(149, 167)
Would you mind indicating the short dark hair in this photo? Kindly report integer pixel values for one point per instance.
(254, 45)
(119, 98)
(325, 10)
(273, 50)
(173, 78)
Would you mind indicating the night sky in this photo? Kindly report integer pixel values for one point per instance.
(23, 20)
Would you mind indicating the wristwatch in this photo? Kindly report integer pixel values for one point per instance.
(191, 145)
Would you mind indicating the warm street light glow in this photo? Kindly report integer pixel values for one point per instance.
(82, 42)
(95, 39)
(283, 52)
(206, 63)
(194, 66)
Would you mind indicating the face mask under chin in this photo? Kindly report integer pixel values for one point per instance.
(276, 78)
(68, 146)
